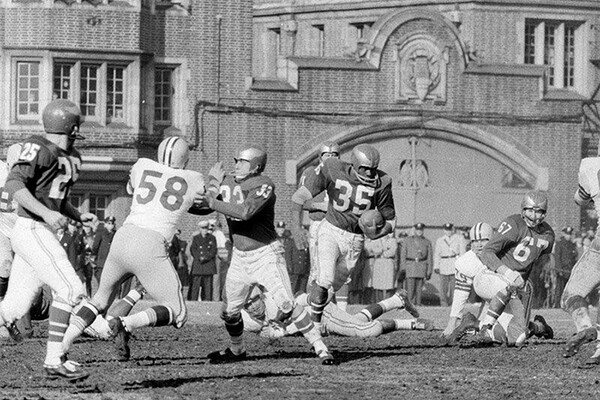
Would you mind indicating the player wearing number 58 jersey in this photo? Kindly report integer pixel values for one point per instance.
(520, 241)
(352, 188)
(40, 181)
(162, 192)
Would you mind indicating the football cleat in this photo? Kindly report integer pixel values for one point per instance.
(67, 369)
(547, 332)
(326, 358)
(224, 356)
(422, 324)
(481, 339)
(408, 306)
(121, 336)
(14, 332)
(468, 323)
(578, 339)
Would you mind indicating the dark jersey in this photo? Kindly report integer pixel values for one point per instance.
(517, 246)
(257, 195)
(349, 198)
(47, 171)
(308, 177)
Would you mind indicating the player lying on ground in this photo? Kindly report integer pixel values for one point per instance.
(473, 276)
(260, 316)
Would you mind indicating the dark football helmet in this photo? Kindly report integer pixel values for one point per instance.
(174, 152)
(63, 117)
(256, 157)
(367, 156)
(537, 201)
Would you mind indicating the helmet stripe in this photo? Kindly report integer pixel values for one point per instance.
(168, 150)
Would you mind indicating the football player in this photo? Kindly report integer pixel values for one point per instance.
(163, 191)
(352, 188)
(471, 275)
(585, 276)
(40, 181)
(520, 241)
(259, 316)
(247, 199)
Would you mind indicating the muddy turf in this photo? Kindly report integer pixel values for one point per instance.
(171, 364)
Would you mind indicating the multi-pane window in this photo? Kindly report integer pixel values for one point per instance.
(361, 28)
(163, 95)
(99, 88)
(554, 44)
(98, 205)
(62, 81)
(28, 89)
(115, 93)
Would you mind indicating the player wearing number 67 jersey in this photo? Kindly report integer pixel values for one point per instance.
(40, 181)
(352, 188)
(521, 241)
(162, 192)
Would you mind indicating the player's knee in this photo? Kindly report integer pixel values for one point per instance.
(70, 293)
(233, 323)
(318, 295)
(285, 311)
(571, 303)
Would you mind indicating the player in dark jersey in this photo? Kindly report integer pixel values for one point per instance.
(247, 199)
(520, 241)
(40, 182)
(352, 188)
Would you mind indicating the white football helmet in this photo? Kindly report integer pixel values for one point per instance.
(174, 152)
(479, 235)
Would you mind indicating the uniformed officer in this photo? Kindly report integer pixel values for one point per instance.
(203, 249)
(447, 248)
(416, 260)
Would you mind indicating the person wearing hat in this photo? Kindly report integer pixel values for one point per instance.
(416, 260)
(203, 263)
(447, 248)
(102, 241)
(565, 255)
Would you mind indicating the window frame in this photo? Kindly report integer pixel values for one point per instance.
(29, 118)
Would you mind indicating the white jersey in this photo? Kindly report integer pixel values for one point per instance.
(161, 195)
(588, 179)
(8, 207)
(467, 266)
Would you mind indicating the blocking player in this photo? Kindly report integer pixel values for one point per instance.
(352, 188)
(247, 199)
(471, 275)
(163, 191)
(40, 181)
(585, 276)
(259, 316)
(520, 241)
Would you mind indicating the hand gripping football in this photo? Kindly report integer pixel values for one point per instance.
(370, 222)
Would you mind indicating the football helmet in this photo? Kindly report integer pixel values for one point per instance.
(479, 233)
(63, 117)
(329, 147)
(174, 152)
(536, 201)
(13, 153)
(257, 159)
(367, 156)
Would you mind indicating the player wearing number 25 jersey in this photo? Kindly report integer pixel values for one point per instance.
(162, 193)
(352, 188)
(40, 181)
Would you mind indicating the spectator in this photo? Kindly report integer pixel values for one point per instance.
(88, 258)
(565, 253)
(370, 252)
(78, 247)
(102, 241)
(298, 265)
(400, 272)
(384, 266)
(447, 249)
(415, 259)
(203, 251)
(66, 240)
(223, 257)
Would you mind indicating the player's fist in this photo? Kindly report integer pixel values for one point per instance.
(55, 219)
(89, 219)
(370, 222)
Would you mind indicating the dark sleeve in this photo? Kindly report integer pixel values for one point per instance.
(385, 200)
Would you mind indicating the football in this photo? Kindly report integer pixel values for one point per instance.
(371, 220)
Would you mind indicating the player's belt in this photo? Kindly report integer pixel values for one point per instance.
(449, 256)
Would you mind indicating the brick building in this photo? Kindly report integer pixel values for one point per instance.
(470, 103)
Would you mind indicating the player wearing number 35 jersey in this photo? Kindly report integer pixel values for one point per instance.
(162, 193)
(352, 188)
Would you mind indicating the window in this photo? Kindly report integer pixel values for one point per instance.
(98, 204)
(76, 200)
(100, 88)
(361, 29)
(163, 96)
(319, 31)
(555, 44)
(28, 90)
